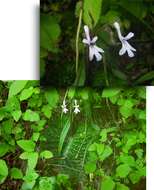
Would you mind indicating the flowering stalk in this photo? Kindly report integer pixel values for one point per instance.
(64, 108)
(76, 106)
(94, 51)
(126, 47)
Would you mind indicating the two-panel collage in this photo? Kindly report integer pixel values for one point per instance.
(82, 126)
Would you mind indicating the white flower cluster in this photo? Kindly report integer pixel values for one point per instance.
(95, 51)
(75, 106)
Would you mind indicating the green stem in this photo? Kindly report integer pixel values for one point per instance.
(77, 40)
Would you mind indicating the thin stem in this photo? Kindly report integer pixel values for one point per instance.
(77, 40)
(64, 100)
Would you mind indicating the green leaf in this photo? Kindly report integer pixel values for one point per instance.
(135, 177)
(100, 148)
(3, 168)
(7, 126)
(84, 93)
(121, 187)
(142, 114)
(46, 109)
(46, 154)
(123, 170)
(90, 167)
(28, 185)
(64, 134)
(30, 115)
(107, 184)
(142, 92)
(32, 160)
(3, 171)
(16, 115)
(12, 104)
(106, 153)
(136, 8)
(109, 18)
(103, 135)
(49, 32)
(93, 147)
(26, 145)
(91, 11)
(126, 111)
(24, 155)
(71, 93)
(139, 153)
(119, 74)
(146, 77)
(47, 183)
(126, 159)
(26, 93)
(52, 97)
(16, 87)
(30, 176)
(35, 136)
(16, 173)
(110, 92)
(3, 113)
(3, 149)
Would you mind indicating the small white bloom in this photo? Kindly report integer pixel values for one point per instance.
(76, 106)
(125, 45)
(64, 108)
(93, 49)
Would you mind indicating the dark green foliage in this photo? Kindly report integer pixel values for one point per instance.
(61, 34)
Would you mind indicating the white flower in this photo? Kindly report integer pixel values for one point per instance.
(76, 106)
(125, 45)
(93, 49)
(64, 108)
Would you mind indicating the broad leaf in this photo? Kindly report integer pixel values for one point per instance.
(16, 173)
(30, 115)
(3, 171)
(123, 170)
(26, 145)
(52, 97)
(107, 184)
(16, 87)
(110, 92)
(49, 32)
(26, 93)
(46, 154)
(92, 11)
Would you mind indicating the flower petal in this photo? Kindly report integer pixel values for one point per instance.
(94, 39)
(91, 53)
(86, 29)
(117, 27)
(85, 41)
(129, 35)
(123, 49)
(129, 46)
(130, 53)
(98, 49)
(98, 55)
